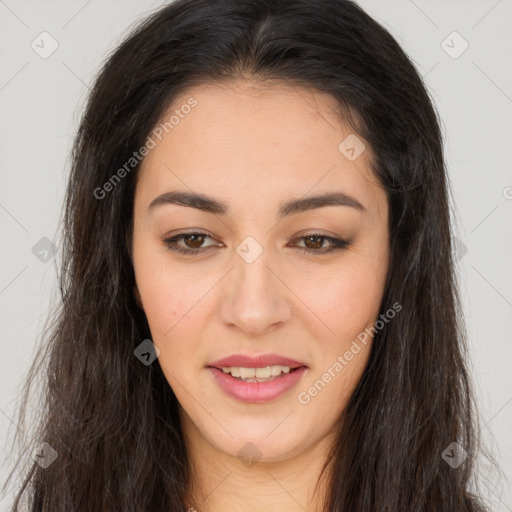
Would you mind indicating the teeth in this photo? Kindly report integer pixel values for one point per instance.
(262, 373)
(250, 374)
(247, 373)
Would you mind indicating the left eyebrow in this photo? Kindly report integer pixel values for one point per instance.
(292, 207)
(312, 202)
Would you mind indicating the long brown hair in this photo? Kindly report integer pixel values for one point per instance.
(113, 421)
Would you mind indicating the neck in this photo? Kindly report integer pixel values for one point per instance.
(221, 482)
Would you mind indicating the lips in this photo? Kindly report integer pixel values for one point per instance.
(257, 392)
(260, 361)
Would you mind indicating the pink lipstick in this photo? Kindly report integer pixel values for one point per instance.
(281, 374)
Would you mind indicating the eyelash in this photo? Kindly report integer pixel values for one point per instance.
(337, 243)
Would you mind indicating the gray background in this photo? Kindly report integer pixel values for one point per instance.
(41, 100)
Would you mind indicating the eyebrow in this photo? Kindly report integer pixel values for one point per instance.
(292, 207)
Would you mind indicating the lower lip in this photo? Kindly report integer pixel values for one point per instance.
(256, 392)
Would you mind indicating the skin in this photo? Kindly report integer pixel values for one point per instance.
(253, 148)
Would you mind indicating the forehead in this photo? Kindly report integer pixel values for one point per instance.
(243, 141)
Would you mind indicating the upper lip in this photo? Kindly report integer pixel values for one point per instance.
(259, 361)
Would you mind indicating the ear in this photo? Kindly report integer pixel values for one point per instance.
(138, 298)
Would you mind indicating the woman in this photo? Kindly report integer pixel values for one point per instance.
(259, 307)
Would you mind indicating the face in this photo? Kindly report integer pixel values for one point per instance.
(268, 273)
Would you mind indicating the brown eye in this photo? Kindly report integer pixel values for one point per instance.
(192, 243)
(314, 242)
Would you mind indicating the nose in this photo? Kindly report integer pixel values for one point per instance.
(255, 299)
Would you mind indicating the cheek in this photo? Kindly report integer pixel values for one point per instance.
(349, 304)
(170, 313)
(174, 304)
(169, 295)
(347, 300)
(171, 310)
